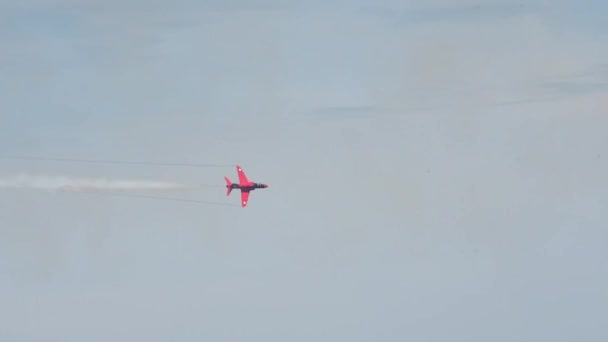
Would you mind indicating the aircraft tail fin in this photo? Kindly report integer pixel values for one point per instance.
(228, 186)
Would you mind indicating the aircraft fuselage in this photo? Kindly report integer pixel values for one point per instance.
(250, 187)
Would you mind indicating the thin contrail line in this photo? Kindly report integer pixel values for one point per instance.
(92, 161)
(168, 199)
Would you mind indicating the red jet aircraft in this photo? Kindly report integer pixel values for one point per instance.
(244, 184)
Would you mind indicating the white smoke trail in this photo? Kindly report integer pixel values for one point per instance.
(63, 183)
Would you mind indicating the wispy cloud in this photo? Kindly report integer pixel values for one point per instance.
(429, 14)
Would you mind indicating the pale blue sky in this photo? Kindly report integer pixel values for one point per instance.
(436, 170)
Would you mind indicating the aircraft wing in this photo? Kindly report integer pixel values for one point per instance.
(244, 197)
(242, 177)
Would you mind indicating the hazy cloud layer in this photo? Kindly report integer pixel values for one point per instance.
(436, 169)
